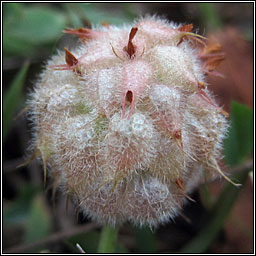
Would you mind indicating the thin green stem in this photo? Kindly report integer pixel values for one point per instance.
(107, 243)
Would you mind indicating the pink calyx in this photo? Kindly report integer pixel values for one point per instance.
(128, 98)
(135, 79)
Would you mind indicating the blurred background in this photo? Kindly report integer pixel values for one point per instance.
(221, 220)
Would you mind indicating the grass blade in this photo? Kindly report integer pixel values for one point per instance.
(12, 98)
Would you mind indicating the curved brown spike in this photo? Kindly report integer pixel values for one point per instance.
(178, 139)
(35, 154)
(216, 167)
(132, 33)
(70, 59)
(179, 183)
(130, 48)
(186, 28)
(83, 33)
(207, 99)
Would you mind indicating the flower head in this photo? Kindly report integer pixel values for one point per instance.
(126, 121)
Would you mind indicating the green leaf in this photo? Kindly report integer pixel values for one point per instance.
(209, 15)
(120, 249)
(35, 25)
(38, 222)
(11, 10)
(145, 240)
(96, 14)
(88, 241)
(16, 46)
(240, 140)
(12, 98)
(16, 213)
(74, 19)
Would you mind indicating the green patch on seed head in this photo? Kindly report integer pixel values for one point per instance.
(160, 77)
(44, 146)
(81, 109)
(101, 125)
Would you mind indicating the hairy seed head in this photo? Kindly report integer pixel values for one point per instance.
(126, 121)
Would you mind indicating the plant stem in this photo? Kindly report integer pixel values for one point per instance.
(107, 241)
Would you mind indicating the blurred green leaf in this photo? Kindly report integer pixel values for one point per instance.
(37, 25)
(95, 14)
(33, 25)
(12, 98)
(16, 213)
(121, 249)
(130, 10)
(10, 10)
(209, 15)
(206, 197)
(240, 140)
(145, 240)
(38, 222)
(16, 46)
(88, 241)
(74, 19)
